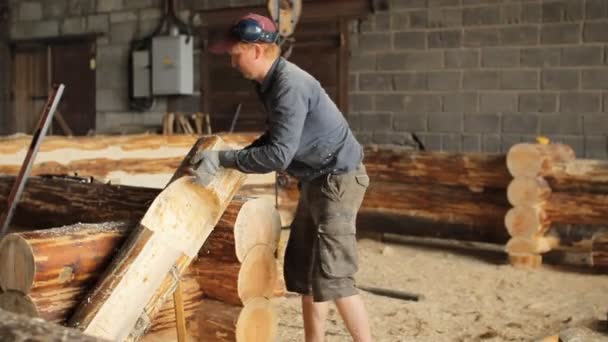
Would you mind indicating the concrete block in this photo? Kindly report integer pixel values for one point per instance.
(481, 37)
(560, 79)
(98, 23)
(531, 12)
(389, 102)
(362, 62)
(519, 79)
(462, 58)
(374, 42)
(490, 143)
(471, 143)
(30, 11)
(480, 79)
(421, 103)
(445, 122)
(558, 11)
(81, 7)
(376, 81)
(582, 56)
(477, 16)
(444, 80)
(445, 39)
(595, 32)
(54, 9)
(596, 9)
(410, 81)
(122, 32)
(409, 40)
(123, 16)
(400, 20)
(109, 5)
(596, 78)
(418, 19)
(482, 123)
(596, 147)
(444, 17)
(541, 57)
(537, 102)
(376, 122)
(361, 102)
(519, 35)
(460, 102)
(425, 60)
(500, 57)
(508, 140)
(580, 102)
(569, 33)
(74, 26)
(561, 124)
(410, 122)
(527, 123)
(398, 4)
(112, 100)
(35, 29)
(595, 124)
(431, 141)
(497, 102)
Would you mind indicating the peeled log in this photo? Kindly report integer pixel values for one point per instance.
(18, 328)
(528, 191)
(236, 283)
(245, 223)
(533, 160)
(169, 236)
(471, 170)
(527, 222)
(532, 245)
(580, 175)
(578, 208)
(56, 266)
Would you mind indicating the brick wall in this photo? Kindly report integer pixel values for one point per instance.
(481, 75)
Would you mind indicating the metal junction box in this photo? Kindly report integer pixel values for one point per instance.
(172, 65)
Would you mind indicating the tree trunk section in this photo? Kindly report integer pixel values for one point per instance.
(169, 236)
(533, 160)
(528, 191)
(527, 222)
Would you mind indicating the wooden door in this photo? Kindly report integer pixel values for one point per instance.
(30, 88)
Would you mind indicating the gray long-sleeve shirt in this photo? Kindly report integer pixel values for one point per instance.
(307, 134)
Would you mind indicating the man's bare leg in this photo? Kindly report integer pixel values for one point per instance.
(355, 317)
(315, 315)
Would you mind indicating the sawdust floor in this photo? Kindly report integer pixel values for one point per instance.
(468, 296)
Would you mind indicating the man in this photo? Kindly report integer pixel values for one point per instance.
(308, 137)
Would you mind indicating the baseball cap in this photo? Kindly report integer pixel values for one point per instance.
(251, 28)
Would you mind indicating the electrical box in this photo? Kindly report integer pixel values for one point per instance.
(141, 73)
(172, 65)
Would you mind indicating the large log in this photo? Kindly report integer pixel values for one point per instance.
(473, 170)
(55, 202)
(599, 251)
(533, 160)
(18, 328)
(56, 266)
(169, 236)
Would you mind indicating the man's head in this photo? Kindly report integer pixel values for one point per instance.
(251, 43)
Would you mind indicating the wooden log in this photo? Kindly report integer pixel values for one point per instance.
(423, 210)
(169, 236)
(578, 208)
(256, 322)
(473, 170)
(526, 260)
(599, 251)
(533, 160)
(56, 266)
(528, 191)
(579, 175)
(245, 223)
(56, 202)
(530, 245)
(235, 283)
(17, 328)
(527, 222)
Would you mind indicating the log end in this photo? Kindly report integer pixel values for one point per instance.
(258, 222)
(526, 221)
(17, 264)
(257, 321)
(526, 260)
(258, 273)
(528, 191)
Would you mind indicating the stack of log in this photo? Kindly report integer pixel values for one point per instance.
(35, 285)
(559, 202)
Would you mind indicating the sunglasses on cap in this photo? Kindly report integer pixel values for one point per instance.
(250, 31)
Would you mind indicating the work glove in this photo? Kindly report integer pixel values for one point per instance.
(205, 164)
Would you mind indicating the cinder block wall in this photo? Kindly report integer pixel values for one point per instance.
(481, 75)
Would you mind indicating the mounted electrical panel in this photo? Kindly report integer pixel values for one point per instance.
(141, 73)
(172, 65)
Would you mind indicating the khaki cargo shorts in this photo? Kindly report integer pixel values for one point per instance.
(321, 254)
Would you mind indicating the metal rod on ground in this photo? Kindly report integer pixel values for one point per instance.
(391, 293)
(43, 125)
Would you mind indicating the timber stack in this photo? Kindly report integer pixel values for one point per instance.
(558, 203)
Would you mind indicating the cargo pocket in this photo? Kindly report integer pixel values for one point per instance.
(338, 250)
(332, 187)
